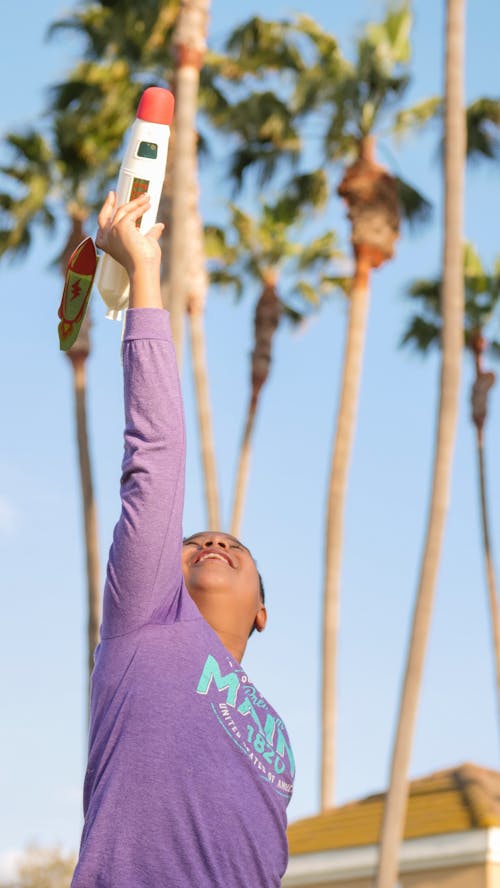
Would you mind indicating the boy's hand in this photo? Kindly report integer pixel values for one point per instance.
(119, 236)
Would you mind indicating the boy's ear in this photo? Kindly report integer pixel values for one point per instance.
(260, 619)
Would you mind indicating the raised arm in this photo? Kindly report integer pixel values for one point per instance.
(144, 576)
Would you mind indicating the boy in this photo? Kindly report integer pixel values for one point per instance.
(190, 769)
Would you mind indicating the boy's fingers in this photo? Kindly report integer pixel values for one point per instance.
(156, 231)
(133, 209)
(106, 213)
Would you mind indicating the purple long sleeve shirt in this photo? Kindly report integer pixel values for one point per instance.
(190, 769)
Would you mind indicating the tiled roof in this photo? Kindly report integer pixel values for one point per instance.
(461, 798)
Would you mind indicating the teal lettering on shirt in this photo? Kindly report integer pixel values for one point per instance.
(266, 743)
(283, 746)
(211, 672)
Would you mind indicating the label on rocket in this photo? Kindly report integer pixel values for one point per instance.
(142, 169)
(139, 186)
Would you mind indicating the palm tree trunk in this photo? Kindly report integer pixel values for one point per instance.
(371, 196)
(344, 435)
(267, 316)
(483, 382)
(240, 487)
(187, 278)
(89, 508)
(452, 344)
(199, 363)
(488, 559)
(197, 291)
(190, 43)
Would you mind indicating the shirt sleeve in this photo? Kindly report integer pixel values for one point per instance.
(144, 578)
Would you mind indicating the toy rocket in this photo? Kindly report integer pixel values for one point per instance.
(142, 169)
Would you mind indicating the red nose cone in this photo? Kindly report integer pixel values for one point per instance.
(156, 105)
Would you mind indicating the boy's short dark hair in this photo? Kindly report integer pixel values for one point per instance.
(261, 586)
(262, 598)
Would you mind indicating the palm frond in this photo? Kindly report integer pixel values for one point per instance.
(473, 267)
(325, 43)
(260, 46)
(428, 292)
(325, 76)
(220, 277)
(483, 129)
(337, 282)
(264, 159)
(265, 132)
(341, 141)
(417, 117)
(308, 293)
(309, 189)
(244, 226)
(115, 29)
(494, 349)
(292, 314)
(319, 251)
(215, 242)
(29, 148)
(391, 36)
(422, 334)
(14, 243)
(415, 208)
(302, 192)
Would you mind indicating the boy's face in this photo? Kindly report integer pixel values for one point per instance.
(222, 579)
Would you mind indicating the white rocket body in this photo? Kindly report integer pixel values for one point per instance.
(142, 169)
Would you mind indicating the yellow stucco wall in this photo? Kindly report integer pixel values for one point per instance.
(452, 877)
(493, 877)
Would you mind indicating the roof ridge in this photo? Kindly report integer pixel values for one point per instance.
(417, 782)
(463, 797)
(477, 795)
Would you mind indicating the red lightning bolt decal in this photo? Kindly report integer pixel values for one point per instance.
(75, 290)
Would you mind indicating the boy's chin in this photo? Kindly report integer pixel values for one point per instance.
(206, 592)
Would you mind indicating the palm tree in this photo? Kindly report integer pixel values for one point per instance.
(482, 297)
(48, 175)
(292, 277)
(357, 100)
(166, 45)
(452, 311)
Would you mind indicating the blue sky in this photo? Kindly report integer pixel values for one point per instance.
(42, 655)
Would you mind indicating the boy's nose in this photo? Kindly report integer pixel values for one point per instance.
(215, 541)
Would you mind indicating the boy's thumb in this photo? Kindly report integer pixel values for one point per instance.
(156, 231)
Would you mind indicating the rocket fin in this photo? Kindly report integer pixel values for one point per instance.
(76, 293)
